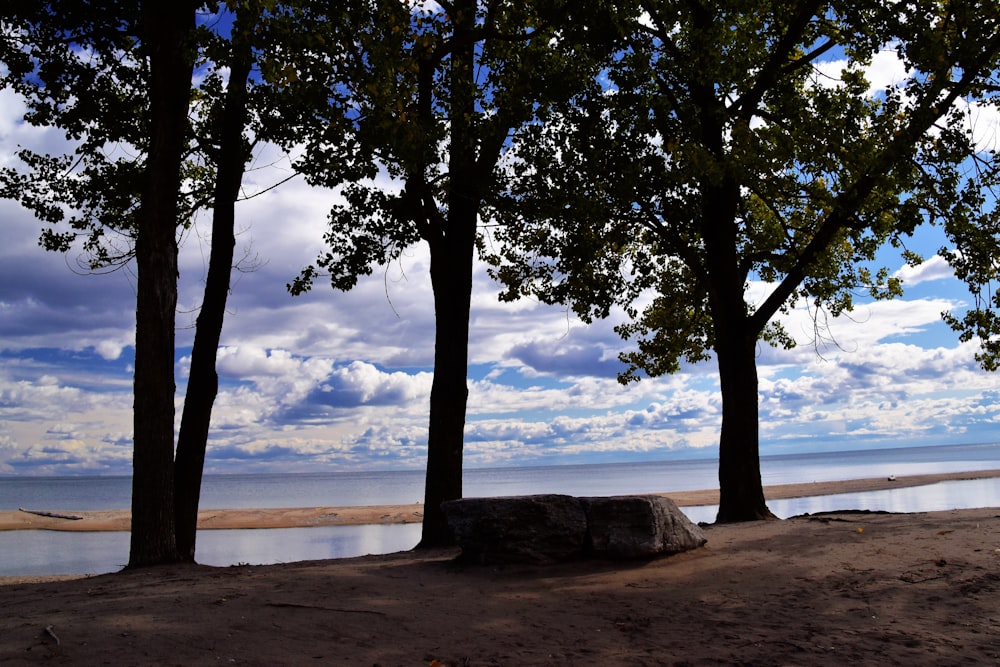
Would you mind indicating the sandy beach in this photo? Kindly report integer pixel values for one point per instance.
(832, 589)
(295, 517)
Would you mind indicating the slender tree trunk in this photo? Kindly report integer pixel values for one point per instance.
(166, 31)
(452, 253)
(741, 491)
(451, 278)
(203, 383)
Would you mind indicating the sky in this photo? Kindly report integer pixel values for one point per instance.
(334, 381)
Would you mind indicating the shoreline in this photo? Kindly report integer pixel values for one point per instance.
(301, 517)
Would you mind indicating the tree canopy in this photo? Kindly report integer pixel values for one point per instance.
(51, 56)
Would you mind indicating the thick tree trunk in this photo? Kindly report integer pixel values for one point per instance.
(203, 383)
(452, 252)
(166, 30)
(741, 492)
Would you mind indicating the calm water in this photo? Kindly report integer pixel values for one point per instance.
(38, 552)
(52, 552)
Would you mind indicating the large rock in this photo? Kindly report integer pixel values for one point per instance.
(518, 528)
(549, 528)
(624, 527)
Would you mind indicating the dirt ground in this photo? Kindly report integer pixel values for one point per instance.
(835, 589)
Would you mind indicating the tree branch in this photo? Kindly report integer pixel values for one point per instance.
(771, 71)
(852, 199)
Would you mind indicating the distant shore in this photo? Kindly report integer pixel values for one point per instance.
(298, 517)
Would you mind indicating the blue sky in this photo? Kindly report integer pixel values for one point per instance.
(332, 381)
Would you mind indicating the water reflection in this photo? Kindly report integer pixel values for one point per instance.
(284, 545)
(929, 498)
(40, 552)
(37, 552)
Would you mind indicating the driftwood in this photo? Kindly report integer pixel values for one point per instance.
(297, 605)
(54, 515)
(52, 633)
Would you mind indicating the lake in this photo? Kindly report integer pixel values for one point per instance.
(55, 552)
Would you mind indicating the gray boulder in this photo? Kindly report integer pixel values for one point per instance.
(553, 528)
(624, 527)
(512, 529)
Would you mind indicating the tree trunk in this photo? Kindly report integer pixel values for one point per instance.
(741, 492)
(452, 252)
(451, 278)
(166, 30)
(203, 382)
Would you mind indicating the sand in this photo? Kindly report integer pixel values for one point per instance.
(833, 589)
(295, 517)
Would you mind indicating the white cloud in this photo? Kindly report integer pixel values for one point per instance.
(365, 384)
(983, 121)
(50, 426)
(885, 70)
(251, 362)
(935, 268)
(867, 325)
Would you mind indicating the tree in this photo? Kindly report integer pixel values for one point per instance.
(133, 205)
(95, 99)
(223, 142)
(167, 31)
(433, 93)
(720, 151)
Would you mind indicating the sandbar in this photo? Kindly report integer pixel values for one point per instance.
(298, 517)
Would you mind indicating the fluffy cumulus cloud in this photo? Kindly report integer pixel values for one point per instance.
(340, 381)
(935, 268)
(361, 383)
